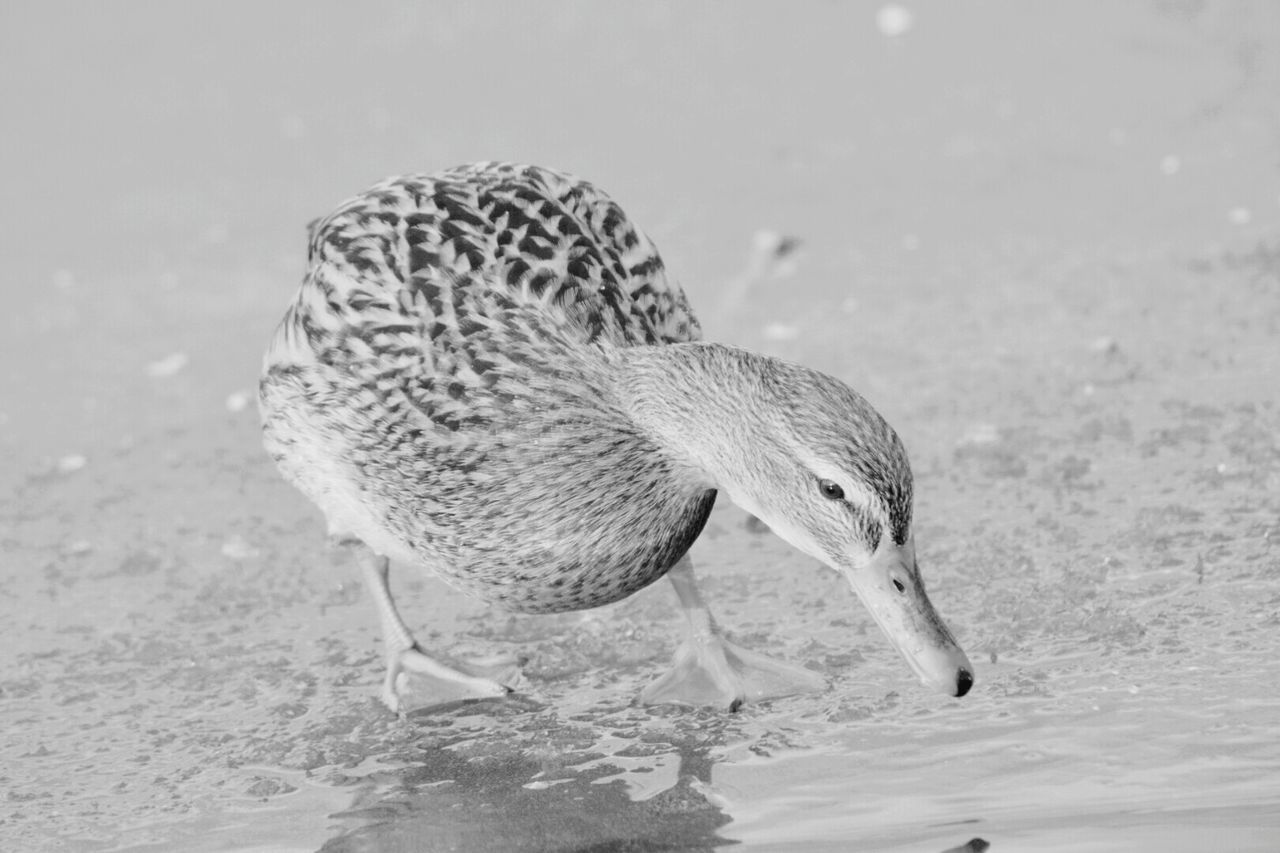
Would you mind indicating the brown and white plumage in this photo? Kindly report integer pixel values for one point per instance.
(488, 372)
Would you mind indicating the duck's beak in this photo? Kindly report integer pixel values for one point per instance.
(892, 589)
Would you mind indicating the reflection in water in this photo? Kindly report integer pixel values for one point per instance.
(547, 785)
(512, 775)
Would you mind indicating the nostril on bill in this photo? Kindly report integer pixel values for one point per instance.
(964, 681)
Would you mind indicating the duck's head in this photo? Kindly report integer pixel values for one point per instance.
(829, 475)
(812, 459)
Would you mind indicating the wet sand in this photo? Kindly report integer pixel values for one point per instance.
(1044, 242)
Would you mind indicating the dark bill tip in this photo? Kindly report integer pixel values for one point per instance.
(964, 681)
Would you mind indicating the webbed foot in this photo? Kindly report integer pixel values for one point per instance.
(710, 670)
(435, 682)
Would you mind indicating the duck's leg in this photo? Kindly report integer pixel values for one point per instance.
(710, 670)
(404, 655)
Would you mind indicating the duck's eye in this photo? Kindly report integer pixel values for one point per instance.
(830, 490)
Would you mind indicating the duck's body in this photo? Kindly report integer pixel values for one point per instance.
(487, 371)
(455, 339)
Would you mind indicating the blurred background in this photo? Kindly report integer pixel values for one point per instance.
(1043, 238)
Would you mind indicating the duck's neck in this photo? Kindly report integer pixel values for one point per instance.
(707, 405)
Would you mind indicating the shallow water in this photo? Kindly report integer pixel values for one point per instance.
(1046, 243)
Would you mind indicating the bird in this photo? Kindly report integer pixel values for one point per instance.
(487, 373)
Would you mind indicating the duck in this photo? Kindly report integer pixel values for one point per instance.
(487, 373)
